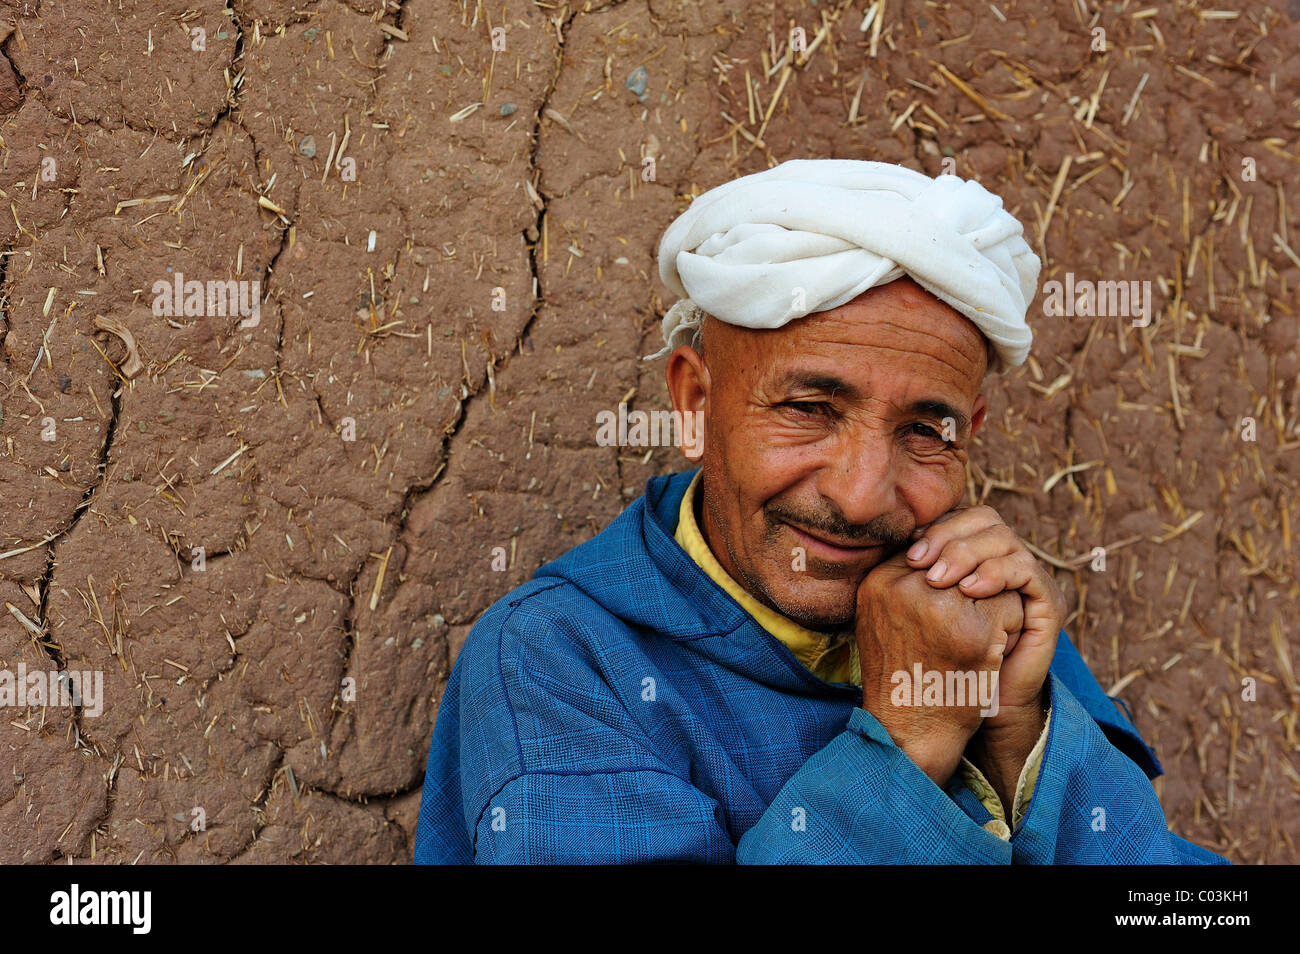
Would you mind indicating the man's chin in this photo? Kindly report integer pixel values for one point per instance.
(821, 609)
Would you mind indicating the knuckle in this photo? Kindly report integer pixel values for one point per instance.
(960, 547)
(1008, 607)
(936, 606)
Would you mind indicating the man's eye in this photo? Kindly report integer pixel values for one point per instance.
(812, 408)
(926, 431)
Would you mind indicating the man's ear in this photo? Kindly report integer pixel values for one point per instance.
(688, 386)
(977, 412)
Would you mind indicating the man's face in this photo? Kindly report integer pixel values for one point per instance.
(824, 441)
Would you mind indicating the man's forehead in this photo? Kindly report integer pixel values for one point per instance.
(938, 345)
(902, 306)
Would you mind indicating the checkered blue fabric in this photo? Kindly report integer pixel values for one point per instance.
(621, 707)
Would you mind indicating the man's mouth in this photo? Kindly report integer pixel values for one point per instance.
(828, 548)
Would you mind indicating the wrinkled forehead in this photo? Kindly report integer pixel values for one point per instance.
(899, 328)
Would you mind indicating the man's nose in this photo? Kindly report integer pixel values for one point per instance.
(860, 479)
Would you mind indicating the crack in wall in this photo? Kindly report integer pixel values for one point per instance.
(4, 50)
(53, 649)
(102, 464)
(5, 304)
(420, 489)
(259, 803)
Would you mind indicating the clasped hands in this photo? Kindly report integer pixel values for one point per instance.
(967, 598)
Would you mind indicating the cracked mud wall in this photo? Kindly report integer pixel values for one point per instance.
(286, 690)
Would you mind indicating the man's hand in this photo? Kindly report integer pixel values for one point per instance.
(901, 621)
(975, 550)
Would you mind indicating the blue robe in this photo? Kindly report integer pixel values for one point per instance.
(621, 707)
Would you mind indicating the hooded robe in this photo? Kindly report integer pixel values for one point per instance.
(621, 707)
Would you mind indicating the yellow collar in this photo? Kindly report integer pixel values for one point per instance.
(830, 658)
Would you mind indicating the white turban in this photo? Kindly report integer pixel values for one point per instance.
(831, 229)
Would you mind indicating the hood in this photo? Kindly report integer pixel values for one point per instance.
(617, 568)
(635, 570)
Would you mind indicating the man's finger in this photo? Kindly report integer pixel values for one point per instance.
(1043, 604)
(1012, 571)
(952, 558)
(1006, 611)
(949, 526)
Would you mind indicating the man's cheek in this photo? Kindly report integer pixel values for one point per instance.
(931, 499)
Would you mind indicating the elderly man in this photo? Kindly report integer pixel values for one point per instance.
(805, 650)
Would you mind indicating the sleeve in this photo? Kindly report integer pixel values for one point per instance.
(1092, 804)
(976, 783)
(861, 800)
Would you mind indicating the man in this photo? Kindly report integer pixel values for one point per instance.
(806, 650)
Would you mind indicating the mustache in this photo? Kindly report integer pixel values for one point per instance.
(878, 531)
